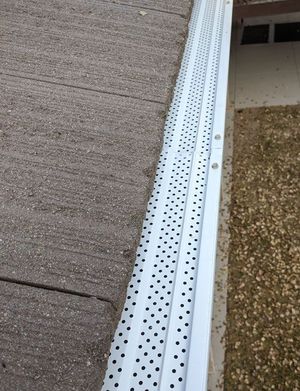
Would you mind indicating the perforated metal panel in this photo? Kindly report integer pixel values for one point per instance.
(162, 341)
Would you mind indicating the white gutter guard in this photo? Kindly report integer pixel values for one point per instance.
(162, 341)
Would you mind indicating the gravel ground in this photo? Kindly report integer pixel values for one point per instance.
(263, 328)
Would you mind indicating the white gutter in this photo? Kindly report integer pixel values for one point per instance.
(162, 341)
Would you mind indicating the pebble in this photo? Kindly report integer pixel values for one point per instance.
(263, 338)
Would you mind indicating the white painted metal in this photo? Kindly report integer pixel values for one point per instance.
(162, 340)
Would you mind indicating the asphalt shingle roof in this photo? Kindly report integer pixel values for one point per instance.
(84, 89)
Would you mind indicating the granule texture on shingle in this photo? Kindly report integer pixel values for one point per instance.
(84, 88)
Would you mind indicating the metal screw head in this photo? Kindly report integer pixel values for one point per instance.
(215, 165)
(217, 137)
